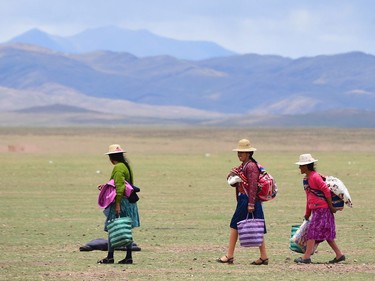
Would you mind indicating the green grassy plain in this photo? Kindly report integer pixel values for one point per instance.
(48, 202)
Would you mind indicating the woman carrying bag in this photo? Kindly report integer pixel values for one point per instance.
(318, 210)
(248, 205)
(120, 207)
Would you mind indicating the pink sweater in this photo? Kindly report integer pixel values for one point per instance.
(315, 181)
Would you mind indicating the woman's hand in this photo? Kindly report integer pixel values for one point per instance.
(250, 209)
(117, 209)
(330, 205)
(333, 209)
(100, 186)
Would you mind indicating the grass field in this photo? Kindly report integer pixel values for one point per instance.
(48, 202)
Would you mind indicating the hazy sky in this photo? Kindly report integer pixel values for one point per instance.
(292, 28)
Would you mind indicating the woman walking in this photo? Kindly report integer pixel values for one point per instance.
(121, 205)
(319, 210)
(247, 201)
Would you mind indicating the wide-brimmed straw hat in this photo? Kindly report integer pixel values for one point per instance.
(244, 146)
(305, 159)
(114, 148)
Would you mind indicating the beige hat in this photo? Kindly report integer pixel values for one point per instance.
(244, 146)
(305, 159)
(114, 148)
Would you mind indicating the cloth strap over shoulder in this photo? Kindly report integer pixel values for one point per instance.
(267, 187)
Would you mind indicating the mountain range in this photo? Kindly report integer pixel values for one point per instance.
(140, 43)
(226, 89)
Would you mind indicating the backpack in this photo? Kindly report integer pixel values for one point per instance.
(339, 193)
(267, 187)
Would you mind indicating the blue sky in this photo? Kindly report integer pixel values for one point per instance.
(292, 28)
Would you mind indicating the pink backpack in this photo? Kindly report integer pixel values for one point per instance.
(267, 188)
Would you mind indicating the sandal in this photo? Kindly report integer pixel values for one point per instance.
(342, 258)
(126, 261)
(260, 261)
(302, 260)
(227, 260)
(106, 261)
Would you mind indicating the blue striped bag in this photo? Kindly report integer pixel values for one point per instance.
(120, 232)
(251, 232)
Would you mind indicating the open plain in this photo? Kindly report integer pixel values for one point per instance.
(48, 202)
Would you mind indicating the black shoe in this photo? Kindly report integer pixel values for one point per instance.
(342, 258)
(301, 260)
(106, 261)
(126, 261)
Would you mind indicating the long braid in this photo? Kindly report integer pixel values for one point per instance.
(251, 157)
(130, 171)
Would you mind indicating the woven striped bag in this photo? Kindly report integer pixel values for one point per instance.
(251, 232)
(120, 232)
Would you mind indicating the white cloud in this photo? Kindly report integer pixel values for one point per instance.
(300, 21)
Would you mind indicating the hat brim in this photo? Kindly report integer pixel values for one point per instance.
(114, 152)
(244, 149)
(305, 163)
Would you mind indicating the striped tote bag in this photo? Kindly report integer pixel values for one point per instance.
(120, 232)
(251, 232)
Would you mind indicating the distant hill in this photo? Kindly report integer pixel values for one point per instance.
(223, 90)
(337, 119)
(141, 43)
(55, 109)
(49, 117)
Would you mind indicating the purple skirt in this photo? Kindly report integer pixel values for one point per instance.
(322, 225)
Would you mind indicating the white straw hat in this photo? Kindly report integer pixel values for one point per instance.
(244, 146)
(114, 148)
(305, 159)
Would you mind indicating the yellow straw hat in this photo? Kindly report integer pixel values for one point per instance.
(244, 146)
(114, 148)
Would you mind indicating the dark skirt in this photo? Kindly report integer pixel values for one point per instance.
(241, 212)
(322, 225)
